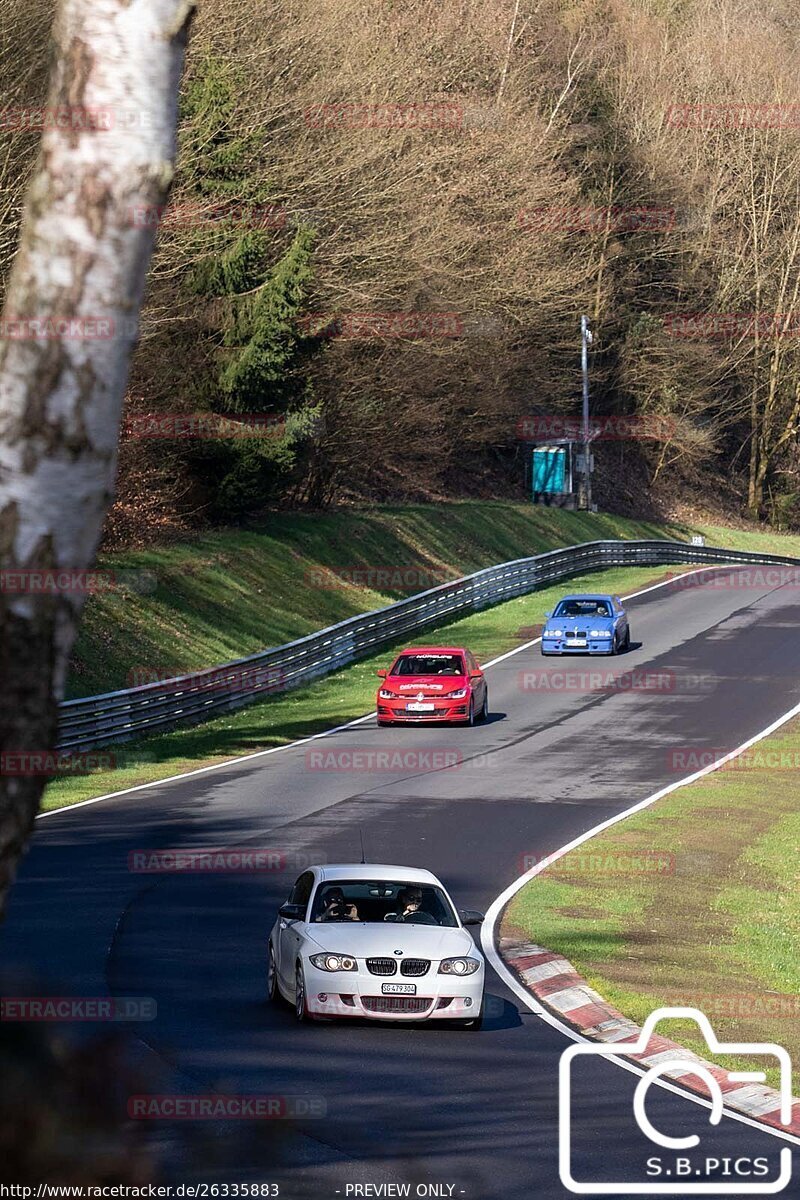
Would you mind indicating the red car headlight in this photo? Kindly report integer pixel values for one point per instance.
(385, 694)
(461, 694)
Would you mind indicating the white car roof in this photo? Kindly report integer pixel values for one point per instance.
(376, 871)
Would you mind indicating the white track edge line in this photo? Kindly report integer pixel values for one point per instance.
(232, 762)
(489, 928)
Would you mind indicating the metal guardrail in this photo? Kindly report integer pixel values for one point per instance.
(95, 721)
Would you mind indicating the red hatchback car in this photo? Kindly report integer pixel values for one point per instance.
(433, 683)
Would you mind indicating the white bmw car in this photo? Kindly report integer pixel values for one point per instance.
(381, 942)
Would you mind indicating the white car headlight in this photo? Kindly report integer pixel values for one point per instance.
(553, 632)
(458, 966)
(598, 633)
(385, 694)
(334, 962)
(459, 695)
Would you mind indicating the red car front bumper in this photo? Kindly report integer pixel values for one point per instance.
(443, 710)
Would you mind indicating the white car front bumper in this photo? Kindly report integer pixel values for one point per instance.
(360, 994)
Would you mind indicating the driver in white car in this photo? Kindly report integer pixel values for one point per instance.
(410, 901)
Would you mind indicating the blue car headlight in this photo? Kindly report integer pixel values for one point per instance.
(552, 633)
(600, 633)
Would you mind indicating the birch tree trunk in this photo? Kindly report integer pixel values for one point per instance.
(67, 333)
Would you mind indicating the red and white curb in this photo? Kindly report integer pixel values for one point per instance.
(554, 982)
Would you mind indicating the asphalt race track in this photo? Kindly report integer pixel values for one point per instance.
(477, 1111)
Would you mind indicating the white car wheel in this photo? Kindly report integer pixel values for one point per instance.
(300, 1005)
(272, 977)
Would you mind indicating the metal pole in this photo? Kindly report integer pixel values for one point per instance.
(586, 340)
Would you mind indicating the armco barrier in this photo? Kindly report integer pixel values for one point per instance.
(118, 716)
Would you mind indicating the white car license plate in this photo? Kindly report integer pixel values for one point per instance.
(576, 642)
(399, 989)
(420, 707)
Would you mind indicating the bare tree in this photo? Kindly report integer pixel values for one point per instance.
(68, 329)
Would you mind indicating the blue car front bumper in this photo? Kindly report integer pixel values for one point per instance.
(593, 646)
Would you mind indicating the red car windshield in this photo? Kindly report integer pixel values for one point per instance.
(429, 664)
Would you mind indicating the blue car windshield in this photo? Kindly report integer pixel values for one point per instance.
(582, 608)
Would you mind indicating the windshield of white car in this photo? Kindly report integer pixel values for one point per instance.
(428, 664)
(373, 901)
(582, 608)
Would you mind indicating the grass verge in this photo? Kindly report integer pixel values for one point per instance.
(226, 594)
(715, 928)
(340, 697)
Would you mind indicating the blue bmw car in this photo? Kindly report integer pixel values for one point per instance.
(587, 625)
